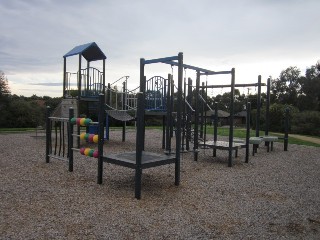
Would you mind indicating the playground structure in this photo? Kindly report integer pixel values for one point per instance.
(155, 96)
(61, 145)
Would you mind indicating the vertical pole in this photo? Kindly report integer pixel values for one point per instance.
(100, 137)
(248, 130)
(165, 100)
(108, 100)
(88, 79)
(64, 77)
(48, 135)
(266, 131)
(79, 98)
(189, 114)
(184, 126)
(124, 108)
(171, 106)
(104, 77)
(140, 131)
(107, 126)
(231, 116)
(79, 80)
(286, 130)
(258, 107)
(202, 109)
(215, 127)
(205, 113)
(144, 107)
(163, 132)
(70, 139)
(139, 144)
(179, 118)
(196, 118)
(142, 77)
(169, 115)
(267, 108)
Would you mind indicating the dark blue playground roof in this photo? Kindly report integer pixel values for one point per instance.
(90, 51)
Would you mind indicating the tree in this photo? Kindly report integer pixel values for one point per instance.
(286, 88)
(23, 113)
(224, 101)
(4, 87)
(309, 98)
(4, 93)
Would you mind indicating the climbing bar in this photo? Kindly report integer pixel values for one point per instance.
(89, 152)
(57, 157)
(82, 121)
(59, 119)
(92, 138)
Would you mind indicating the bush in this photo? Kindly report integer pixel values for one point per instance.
(307, 123)
(21, 113)
(276, 117)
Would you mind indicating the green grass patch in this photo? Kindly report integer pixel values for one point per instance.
(241, 133)
(222, 131)
(16, 130)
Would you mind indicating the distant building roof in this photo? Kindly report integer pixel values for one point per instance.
(90, 51)
(241, 114)
(221, 113)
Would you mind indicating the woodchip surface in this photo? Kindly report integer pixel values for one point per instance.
(274, 196)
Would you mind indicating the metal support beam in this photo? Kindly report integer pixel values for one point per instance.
(162, 60)
(101, 118)
(231, 116)
(267, 108)
(248, 107)
(179, 119)
(258, 107)
(64, 77)
(48, 134)
(196, 119)
(139, 144)
(236, 85)
(201, 71)
(70, 139)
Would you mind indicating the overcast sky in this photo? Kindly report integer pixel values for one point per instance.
(254, 36)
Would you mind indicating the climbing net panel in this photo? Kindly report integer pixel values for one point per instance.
(120, 115)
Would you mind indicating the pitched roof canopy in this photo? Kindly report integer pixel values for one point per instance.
(90, 51)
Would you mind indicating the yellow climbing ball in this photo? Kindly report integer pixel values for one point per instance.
(82, 136)
(86, 151)
(83, 122)
(95, 138)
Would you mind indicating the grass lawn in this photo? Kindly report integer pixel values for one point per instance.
(222, 131)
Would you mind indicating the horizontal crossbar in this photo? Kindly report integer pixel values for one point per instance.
(161, 60)
(204, 71)
(236, 85)
(58, 157)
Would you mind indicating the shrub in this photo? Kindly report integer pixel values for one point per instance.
(306, 122)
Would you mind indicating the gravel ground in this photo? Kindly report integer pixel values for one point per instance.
(274, 196)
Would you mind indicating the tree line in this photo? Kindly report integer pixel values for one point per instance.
(300, 93)
(20, 111)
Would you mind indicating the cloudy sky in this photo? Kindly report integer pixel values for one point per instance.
(254, 36)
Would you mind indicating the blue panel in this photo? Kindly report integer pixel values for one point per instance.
(78, 49)
(90, 51)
